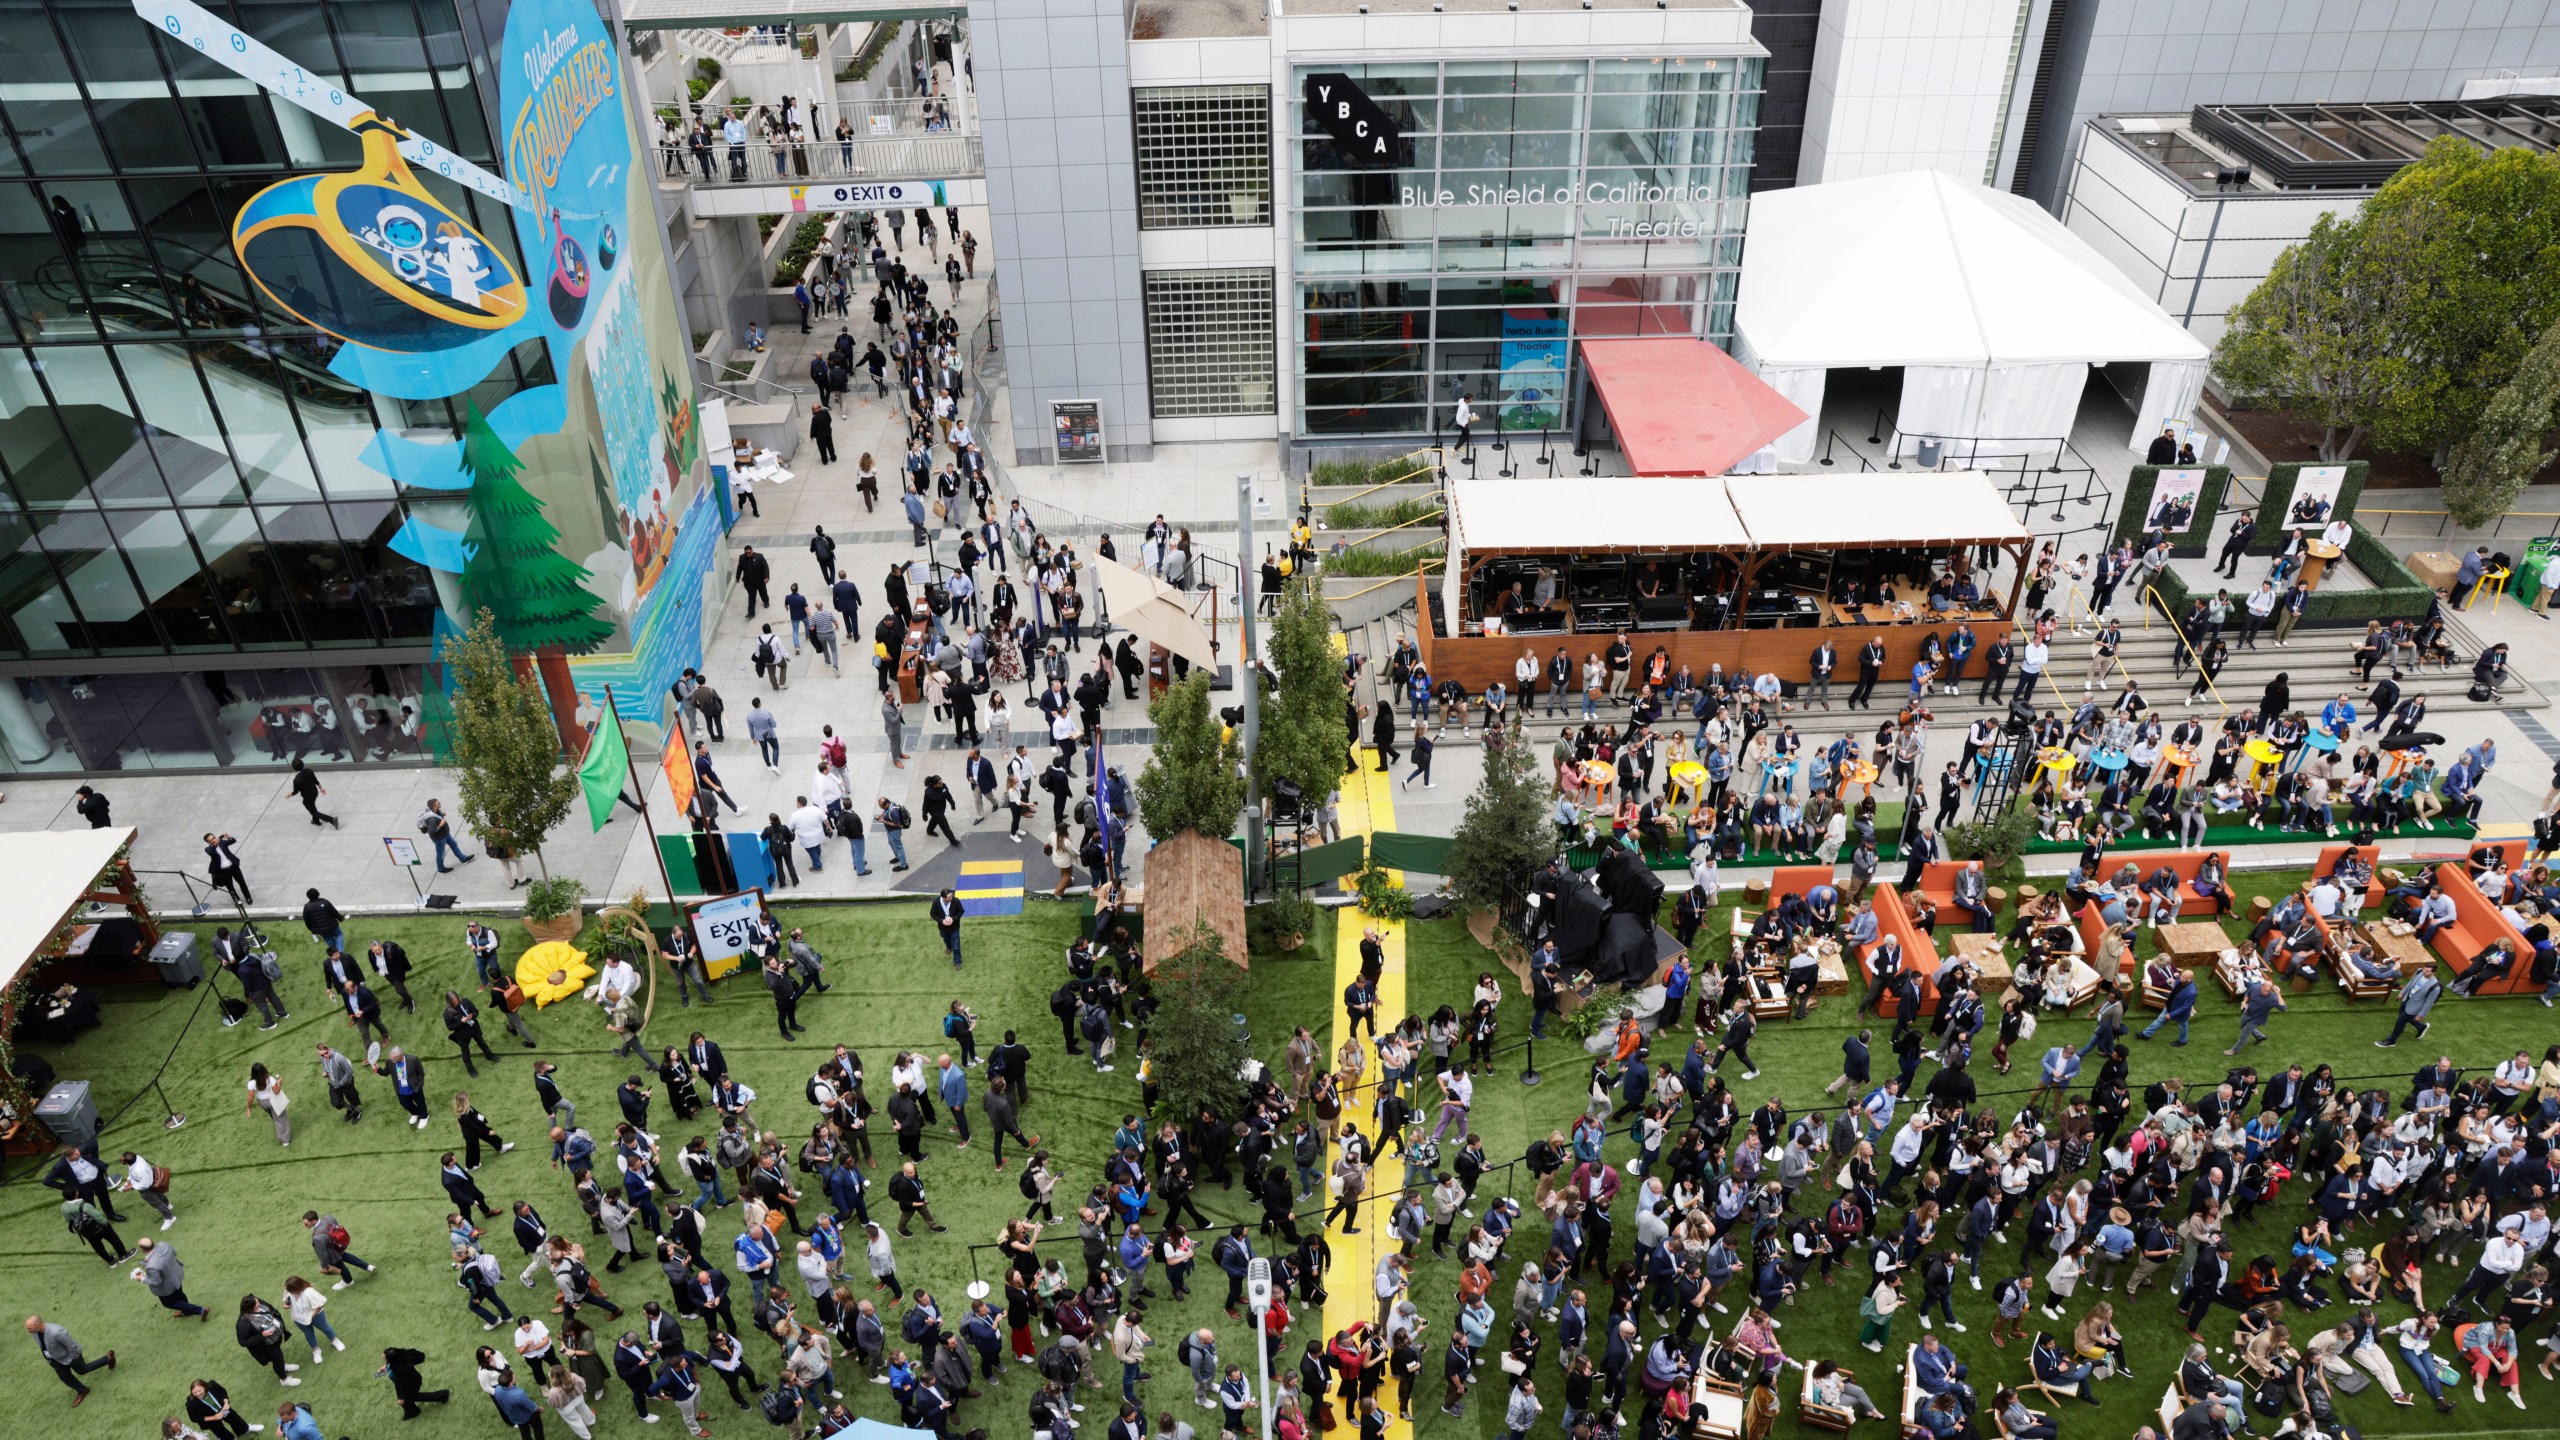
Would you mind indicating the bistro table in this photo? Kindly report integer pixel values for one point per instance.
(2316, 557)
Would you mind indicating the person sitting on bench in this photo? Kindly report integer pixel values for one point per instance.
(2490, 964)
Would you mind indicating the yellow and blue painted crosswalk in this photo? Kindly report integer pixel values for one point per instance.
(991, 887)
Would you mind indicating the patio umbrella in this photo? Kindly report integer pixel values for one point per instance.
(1154, 611)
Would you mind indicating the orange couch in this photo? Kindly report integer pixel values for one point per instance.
(1799, 880)
(2330, 855)
(2185, 864)
(2477, 923)
(1919, 953)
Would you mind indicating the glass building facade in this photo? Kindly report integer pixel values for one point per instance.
(1536, 202)
(197, 565)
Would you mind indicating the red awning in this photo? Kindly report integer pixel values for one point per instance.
(1680, 406)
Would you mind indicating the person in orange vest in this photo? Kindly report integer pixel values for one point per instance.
(1630, 1037)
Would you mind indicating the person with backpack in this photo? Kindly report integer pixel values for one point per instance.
(1094, 1022)
(893, 821)
(329, 1243)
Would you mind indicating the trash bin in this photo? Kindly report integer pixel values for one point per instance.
(175, 958)
(1932, 450)
(69, 1113)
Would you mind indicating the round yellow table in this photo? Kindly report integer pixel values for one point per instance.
(1689, 779)
(2181, 759)
(2261, 753)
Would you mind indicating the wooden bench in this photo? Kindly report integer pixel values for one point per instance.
(1810, 1411)
(2355, 983)
(2476, 923)
(2327, 864)
(2169, 1408)
(1911, 1394)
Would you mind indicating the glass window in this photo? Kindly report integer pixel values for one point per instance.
(240, 574)
(317, 572)
(128, 94)
(47, 117)
(230, 118)
(188, 232)
(25, 579)
(179, 597)
(1204, 155)
(79, 257)
(1209, 342)
(402, 591)
(97, 606)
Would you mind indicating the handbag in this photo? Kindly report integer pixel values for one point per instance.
(1513, 1364)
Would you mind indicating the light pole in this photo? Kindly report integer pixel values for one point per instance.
(1248, 679)
(1257, 1297)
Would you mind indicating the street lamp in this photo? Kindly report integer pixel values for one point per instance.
(1257, 1297)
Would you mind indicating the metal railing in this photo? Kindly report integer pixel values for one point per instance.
(2154, 600)
(757, 161)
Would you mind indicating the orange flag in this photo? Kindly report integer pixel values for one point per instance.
(679, 767)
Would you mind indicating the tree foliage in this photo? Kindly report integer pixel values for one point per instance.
(2494, 463)
(2316, 334)
(1505, 836)
(1197, 1049)
(514, 788)
(1191, 780)
(2402, 320)
(1303, 740)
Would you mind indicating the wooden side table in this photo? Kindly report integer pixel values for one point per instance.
(2259, 907)
(1755, 893)
(1998, 898)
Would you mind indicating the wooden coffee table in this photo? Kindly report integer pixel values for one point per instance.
(1984, 951)
(2408, 951)
(2191, 945)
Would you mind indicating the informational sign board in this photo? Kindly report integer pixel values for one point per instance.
(720, 928)
(2175, 496)
(1078, 426)
(2315, 496)
(404, 851)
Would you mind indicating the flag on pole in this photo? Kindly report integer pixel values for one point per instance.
(602, 774)
(1104, 826)
(679, 767)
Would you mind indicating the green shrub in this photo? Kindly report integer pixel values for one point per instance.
(802, 249)
(1996, 842)
(1381, 897)
(555, 898)
(707, 68)
(1373, 560)
(860, 67)
(1288, 913)
(1353, 515)
(697, 87)
(1344, 472)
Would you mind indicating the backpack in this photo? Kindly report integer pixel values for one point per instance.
(1029, 1187)
(1055, 1364)
(339, 1239)
(1182, 1349)
(777, 1407)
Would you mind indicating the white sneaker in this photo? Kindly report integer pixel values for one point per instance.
(503, 1149)
(1956, 1325)
(172, 1220)
(289, 1369)
(337, 1344)
(291, 1380)
(1977, 1282)
(492, 1325)
(338, 1285)
(1925, 1325)
(317, 1355)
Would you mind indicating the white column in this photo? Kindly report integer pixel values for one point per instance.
(960, 98)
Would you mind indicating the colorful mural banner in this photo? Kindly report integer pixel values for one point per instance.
(564, 509)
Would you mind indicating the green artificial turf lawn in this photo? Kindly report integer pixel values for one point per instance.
(239, 1197)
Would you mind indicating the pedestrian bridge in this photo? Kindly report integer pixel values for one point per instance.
(870, 173)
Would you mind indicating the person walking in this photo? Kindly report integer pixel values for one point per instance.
(2262, 1004)
(822, 428)
(755, 576)
(436, 826)
(339, 1074)
(306, 787)
(329, 1244)
(63, 1353)
(260, 1332)
(166, 1278)
(1422, 747)
(266, 1092)
(408, 1386)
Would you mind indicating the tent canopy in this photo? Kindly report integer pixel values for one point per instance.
(1996, 310)
(50, 872)
(1515, 517)
(1846, 512)
(1680, 406)
(1520, 517)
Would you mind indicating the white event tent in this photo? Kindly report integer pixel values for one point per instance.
(1993, 310)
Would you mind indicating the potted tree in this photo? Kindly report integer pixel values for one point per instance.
(552, 909)
(1290, 917)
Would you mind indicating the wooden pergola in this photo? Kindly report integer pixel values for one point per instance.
(1193, 879)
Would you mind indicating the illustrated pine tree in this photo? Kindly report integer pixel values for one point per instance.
(513, 567)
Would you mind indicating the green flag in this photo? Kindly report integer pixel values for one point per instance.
(605, 769)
